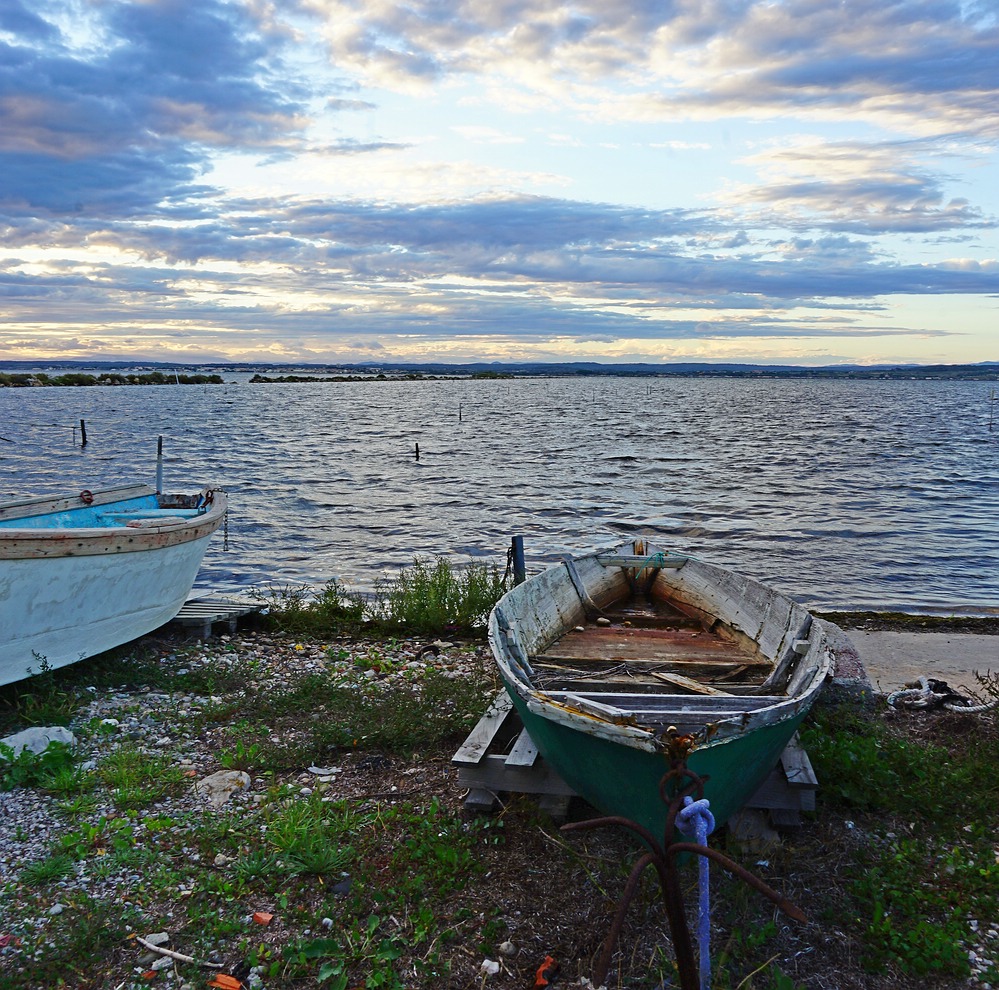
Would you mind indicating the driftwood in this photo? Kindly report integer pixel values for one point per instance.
(179, 956)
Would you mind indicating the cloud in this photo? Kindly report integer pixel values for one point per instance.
(18, 20)
(193, 172)
(852, 186)
(126, 125)
(926, 66)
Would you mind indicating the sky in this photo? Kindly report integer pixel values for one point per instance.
(802, 182)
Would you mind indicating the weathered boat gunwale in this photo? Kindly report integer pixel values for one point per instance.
(159, 531)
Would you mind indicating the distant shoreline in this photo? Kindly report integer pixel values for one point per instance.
(54, 373)
(107, 379)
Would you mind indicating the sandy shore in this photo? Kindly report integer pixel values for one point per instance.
(894, 658)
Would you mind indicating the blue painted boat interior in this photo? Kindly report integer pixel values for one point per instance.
(100, 516)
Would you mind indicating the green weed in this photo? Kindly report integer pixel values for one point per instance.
(435, 597)
(56, 764)
(931, 864)
(42, 698)
(138, 779)
(333, 611)
(432, 597)
(43, 871)
(309, 833)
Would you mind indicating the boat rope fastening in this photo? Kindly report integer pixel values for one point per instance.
(928, 692)
(695, 820)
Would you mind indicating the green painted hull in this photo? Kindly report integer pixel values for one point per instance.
(619, 779)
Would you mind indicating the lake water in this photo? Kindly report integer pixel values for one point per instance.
(841, 493)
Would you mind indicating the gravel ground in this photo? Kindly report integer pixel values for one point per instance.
(553, 895)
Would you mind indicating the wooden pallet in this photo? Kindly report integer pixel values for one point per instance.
(500, 757)
(203, 613)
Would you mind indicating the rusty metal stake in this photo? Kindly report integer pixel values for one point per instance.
(663, 857)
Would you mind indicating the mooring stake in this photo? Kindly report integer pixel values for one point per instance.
(517, 560)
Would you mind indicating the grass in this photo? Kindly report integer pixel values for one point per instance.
(402, 720)
(138, 779)
(378, 879)
(930, 867)
(431, 597)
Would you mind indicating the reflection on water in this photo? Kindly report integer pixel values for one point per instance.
(841, 493)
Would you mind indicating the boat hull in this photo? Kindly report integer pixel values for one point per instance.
(68, 592)
(620, 780)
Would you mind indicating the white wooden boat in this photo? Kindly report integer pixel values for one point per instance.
(604, 653)
(84, 573)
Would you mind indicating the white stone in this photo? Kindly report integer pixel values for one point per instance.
(218, 788)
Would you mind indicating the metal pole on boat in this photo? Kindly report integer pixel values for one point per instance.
(519, 566)
(159, 466)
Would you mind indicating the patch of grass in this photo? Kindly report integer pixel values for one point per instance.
(44, 871)
(47, 697)
(310, 834)
(87, 930)
(431, 597)
(412, 860)
(138, 779)
(436, 597)
(399, 719)
(928, 796)
(332, 611)
(56, 765)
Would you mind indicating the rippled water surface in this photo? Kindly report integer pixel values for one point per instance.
(846, 493)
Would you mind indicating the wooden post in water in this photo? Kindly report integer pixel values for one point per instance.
(159, 466)
(417, 451)
(83, 434)
(992, 406)
(459, 412)
(517, 555)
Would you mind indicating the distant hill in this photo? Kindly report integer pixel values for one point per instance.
(984, 371)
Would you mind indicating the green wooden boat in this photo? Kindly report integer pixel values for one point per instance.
(603, 653)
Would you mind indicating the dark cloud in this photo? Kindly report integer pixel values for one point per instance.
(121, 128)
(553, 266)
(16, 18)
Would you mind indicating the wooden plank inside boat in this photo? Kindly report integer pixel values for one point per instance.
(622, 656)
(629, 643)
